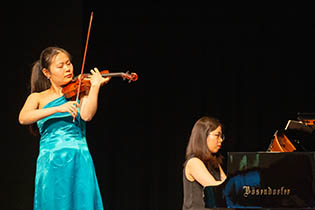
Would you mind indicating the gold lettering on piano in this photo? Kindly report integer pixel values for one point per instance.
(250, 190)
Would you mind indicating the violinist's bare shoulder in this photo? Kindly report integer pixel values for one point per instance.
(45, 97)
(32, 102)
(37, 100)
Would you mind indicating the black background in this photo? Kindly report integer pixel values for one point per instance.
(251, 67)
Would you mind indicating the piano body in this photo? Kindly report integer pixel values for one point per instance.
(283, 177)
(270, 180)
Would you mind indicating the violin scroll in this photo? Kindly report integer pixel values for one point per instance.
(131, 77)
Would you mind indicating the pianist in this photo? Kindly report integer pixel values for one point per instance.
(202, 169)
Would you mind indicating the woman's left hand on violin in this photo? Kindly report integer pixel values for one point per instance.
(96, 78)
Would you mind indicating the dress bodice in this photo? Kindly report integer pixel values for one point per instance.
(58, 125)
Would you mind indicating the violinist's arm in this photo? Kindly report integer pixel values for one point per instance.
(89, 102)
(30, 113)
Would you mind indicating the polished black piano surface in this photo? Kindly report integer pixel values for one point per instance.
(268, 180)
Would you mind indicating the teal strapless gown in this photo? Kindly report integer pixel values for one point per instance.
(65, 175)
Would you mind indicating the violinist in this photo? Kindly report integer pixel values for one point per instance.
(65, 174)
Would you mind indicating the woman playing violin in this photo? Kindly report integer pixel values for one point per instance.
(65, 175)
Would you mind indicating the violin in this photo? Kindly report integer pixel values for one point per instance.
(71, 89)
(81, 84)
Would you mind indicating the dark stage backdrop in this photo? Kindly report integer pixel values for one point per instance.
(252, 68)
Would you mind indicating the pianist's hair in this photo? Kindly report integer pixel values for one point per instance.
(197, 145)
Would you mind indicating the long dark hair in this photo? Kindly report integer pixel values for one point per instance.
(197, 145)
(39, 82)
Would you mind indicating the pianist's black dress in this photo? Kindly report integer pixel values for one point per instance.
(193, 191)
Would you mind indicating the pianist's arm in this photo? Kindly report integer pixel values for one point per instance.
(196, 170)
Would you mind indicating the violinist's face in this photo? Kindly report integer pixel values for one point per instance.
(61, 70)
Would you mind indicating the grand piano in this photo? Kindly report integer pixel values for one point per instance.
(283, 177)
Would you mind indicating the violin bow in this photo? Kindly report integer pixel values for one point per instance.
(84, 56)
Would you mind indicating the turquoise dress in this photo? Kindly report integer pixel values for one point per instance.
(65, 175)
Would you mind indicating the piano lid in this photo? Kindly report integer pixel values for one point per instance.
(298, 135)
